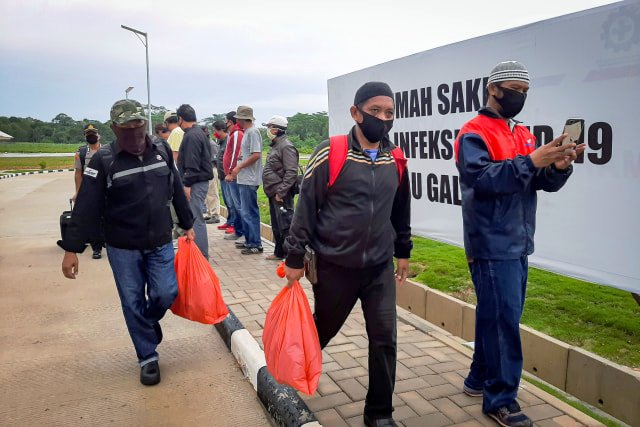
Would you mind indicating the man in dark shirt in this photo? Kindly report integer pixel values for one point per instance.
(131, 183)
(194, 164)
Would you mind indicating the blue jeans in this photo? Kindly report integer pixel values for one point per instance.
(197, 204)
(234, 199)
(146, 282)
(250, 215)
(500, 287)
(226, 197)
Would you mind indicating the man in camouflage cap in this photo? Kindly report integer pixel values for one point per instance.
(131, 183)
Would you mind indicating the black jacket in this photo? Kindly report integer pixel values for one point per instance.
(194, 157)
(220, 156)
(363, 220)
(132, 195)
(281, 167)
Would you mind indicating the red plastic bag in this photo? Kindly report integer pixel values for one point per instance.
(291, 344)
(199, 295)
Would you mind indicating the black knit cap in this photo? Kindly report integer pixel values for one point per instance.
(371, 89)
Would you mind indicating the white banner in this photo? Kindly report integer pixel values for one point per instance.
(584, 65)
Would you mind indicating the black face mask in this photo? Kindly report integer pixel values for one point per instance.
(511, 102)
(91, 139)
(373, 128)
(131, 140)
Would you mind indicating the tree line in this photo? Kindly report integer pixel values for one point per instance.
(305, 130)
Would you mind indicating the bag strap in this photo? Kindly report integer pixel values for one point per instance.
(338, 149)
(82, 153)
(401, 162)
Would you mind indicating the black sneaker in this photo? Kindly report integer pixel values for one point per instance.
(240, 245)
(97, 254)
(150, 373)
(379, 422)
(251, 251)
(213, 220)
(511, 416)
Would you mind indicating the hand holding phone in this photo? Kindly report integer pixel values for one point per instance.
(574, 129)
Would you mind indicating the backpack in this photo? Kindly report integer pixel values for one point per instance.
(338, 150)
(106, 152)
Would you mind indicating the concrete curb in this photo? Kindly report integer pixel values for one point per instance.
(282, 402)
(11, 175)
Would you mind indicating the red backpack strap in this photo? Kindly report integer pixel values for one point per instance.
(338, 148)
(401, 162)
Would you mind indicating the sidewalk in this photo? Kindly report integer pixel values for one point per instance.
(430, 370)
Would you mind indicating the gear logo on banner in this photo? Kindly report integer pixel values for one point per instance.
(621, 30)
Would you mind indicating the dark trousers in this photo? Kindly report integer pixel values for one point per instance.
(96, 238)
(500, 287)
(281, 216)
(336, 293)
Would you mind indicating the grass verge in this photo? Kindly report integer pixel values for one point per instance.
(37, 147)
(600, 319)
(23, 164)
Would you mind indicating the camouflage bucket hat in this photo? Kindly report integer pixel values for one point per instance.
(126, 110)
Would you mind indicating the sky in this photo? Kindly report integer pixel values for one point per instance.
(72, 56)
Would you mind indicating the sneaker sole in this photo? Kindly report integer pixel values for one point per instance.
(472, 394)
(500, 422)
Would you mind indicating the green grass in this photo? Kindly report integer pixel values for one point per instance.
(572, 402)
(23, 164)
(600, 319)
(34, 147)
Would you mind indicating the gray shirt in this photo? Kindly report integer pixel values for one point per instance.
(251, 143)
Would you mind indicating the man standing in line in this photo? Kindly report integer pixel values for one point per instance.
(231, 155)
(194, 164)
(83, 156)
(176, 135)
(248, 172)
(130, 183)
(220, 133)
(356, 227)
(279, 176)
(500, 174)
(212, 202)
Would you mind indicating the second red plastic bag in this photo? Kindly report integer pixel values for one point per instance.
(290, 338)
(199, 295)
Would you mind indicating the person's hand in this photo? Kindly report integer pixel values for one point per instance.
(228, 178)
(402, 271)
(235, 172)
(190, 234)
(73, 199)
(70, 265)
(187, 192)
(551, 152)
(570, 157)
(279, 199)
(292, 274)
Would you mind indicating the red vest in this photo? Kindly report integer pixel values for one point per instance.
(502, 144)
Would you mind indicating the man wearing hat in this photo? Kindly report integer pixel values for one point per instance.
(176, 135)
(83, 156)
(248, 173)
(500, 173)
(356, 227)
(131, 183)
(279, 176)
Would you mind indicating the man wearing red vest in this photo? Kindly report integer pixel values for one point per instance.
(500, 173)
(354, 212)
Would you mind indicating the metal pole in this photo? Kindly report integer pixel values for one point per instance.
(146, 46)
(139, 33)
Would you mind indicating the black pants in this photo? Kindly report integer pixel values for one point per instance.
(335, 295)
(96, 237)
(281, 216)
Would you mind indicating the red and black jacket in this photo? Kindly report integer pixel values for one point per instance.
(499, 184)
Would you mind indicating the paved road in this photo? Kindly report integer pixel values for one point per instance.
(65, 355)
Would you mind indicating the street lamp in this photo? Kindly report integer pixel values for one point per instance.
(126, 91)
(145, 42)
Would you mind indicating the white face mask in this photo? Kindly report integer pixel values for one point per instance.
(270, 135)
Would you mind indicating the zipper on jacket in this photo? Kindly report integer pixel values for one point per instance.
(372, 210)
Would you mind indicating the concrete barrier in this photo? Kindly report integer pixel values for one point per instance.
(412, 297)
(444, 311)
(544, 356)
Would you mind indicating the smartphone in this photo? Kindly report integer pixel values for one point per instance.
(574, 128)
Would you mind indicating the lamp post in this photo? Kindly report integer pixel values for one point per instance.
(145, 42)
(126, 92)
